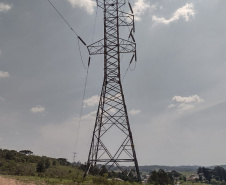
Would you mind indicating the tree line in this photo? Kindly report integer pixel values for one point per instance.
(212, 176)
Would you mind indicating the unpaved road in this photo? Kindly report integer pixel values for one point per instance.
(8, 181)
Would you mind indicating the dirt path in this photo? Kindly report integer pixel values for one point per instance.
(8, 181)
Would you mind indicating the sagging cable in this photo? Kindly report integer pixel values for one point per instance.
(78, 37)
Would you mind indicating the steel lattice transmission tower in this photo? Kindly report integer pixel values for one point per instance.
(112, 114)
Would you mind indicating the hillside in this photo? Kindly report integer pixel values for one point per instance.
(24, 166)
(27, 167)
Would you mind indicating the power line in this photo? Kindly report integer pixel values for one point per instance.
(133, 67)
(126, 71)
(94, 27)
(87, 68)
(63, 18)
(78, 37)
(81, 111)
(129, 68)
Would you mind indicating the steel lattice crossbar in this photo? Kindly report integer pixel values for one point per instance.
(112, 111)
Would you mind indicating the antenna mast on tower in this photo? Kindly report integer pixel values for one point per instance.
(112, 117)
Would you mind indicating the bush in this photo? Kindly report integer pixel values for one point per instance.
(41, 167)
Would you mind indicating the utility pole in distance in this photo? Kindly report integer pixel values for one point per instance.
(112, 141)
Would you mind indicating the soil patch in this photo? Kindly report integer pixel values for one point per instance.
(9, 181)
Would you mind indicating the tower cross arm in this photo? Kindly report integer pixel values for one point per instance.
(102, 3)
(125, 46)
(96, 48)
(126, 19)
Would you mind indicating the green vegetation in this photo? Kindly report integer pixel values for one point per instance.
(161, 177)
(212, 176)
(215, 176)
(95, 171)
(26, 167)
(187, 173)
(193, 183)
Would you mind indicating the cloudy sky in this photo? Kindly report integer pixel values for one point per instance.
(175, 96)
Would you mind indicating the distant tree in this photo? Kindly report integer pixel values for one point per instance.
(122, 176)
(47, 163)
(154, 177)
(94, 170)
(160, 178)
(103, 170)
(112, 174)
(83, 167)
(26, 152)
(41, 167)
(219, 173)
(63, 161)
(10, 154)
(200, 173)
(174, 176)
(54, 162)
(206, 173)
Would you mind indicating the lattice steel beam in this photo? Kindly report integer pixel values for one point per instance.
(112, 112)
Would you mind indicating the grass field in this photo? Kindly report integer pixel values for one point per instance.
(54, 181)
(40, 180)
(34, 180)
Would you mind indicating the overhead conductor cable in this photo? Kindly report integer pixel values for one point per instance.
(87, 68)
(78, 37)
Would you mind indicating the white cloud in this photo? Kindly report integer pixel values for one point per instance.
(0, 138)
(92, 101)
(182, 104)
(184, 107)
(0, 52)
(91, 116)
(4, 74)
(135, 112)
(140, 7)
(87, 4)
(4, 7)
(189, 99)
(186, 12)
(38, 109)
